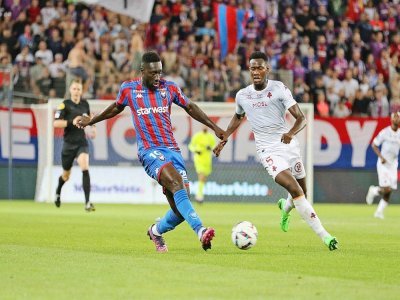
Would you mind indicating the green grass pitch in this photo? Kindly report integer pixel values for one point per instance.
(66, 253)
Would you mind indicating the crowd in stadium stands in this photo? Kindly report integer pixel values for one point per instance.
(344, 55)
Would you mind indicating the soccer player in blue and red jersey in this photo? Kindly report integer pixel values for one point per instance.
(150, 98)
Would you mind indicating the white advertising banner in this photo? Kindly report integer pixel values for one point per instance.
(109, 184)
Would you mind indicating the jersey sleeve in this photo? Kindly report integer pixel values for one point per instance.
(60, 112)
(377, 141)
(239, 109)
(178, 97)
(122, 98)
(287, 98)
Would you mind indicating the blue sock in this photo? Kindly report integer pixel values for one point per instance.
(186, 210)
(169, 222)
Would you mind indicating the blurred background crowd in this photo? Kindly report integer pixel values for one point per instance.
(343, 56)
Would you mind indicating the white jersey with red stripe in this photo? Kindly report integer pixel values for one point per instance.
(265, 110)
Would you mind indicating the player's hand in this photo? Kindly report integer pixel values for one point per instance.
(217, 150)
(83, 121)
(383, 160)
(286, 138)
(76, 120)
(221, 134)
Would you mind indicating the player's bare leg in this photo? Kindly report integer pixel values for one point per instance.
(286, 180)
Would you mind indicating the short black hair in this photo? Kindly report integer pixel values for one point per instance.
(258, 55)
(150, 56)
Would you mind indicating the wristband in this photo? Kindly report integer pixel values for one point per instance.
(69, 122)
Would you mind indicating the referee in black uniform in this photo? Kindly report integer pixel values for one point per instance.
(75, 144)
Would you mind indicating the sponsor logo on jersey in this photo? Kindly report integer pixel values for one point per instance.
(255, 96)
(152, 110)
(260, 104)
(139, 95)
(269, 95)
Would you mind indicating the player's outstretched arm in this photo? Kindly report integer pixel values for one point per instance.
(110, 111)
(298, 125)
(61, 123)
(233, 125)
(196, 113)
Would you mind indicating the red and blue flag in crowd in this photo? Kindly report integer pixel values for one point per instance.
(231, 23)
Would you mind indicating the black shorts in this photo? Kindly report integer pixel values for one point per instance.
(69, 153)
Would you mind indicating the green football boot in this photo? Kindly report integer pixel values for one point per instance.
(331, 242)
(285, 217)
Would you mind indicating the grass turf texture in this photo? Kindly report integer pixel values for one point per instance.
(66, 253)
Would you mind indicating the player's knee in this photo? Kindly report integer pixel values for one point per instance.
(386, 191)
(295, 190)
(175, 184)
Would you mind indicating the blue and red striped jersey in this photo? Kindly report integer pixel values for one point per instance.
(151, 111)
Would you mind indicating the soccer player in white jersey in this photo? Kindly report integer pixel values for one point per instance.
(389, 141)
(265, 103)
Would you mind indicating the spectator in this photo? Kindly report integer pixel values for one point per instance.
(23, 61)
(341, 110)
(55, 42)
(76, 65)
(322, 106)
(45, 54)
(57, 68)
(44, 83)
(339, 63)
(361, 105)
(357, 63)
(174, 76)
(33, 11)
(383, 64)
(350, 85)
(380, 105)
(49, 13)
(25, 39)
(7, 38)
(4, 52)
(36, 72)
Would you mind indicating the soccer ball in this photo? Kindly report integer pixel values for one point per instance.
(244, 235)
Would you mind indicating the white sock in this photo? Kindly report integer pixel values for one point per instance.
(381, 206)
(375, 190)
(155, 231)
(289, 204)
(200, 232)
(308, 214)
